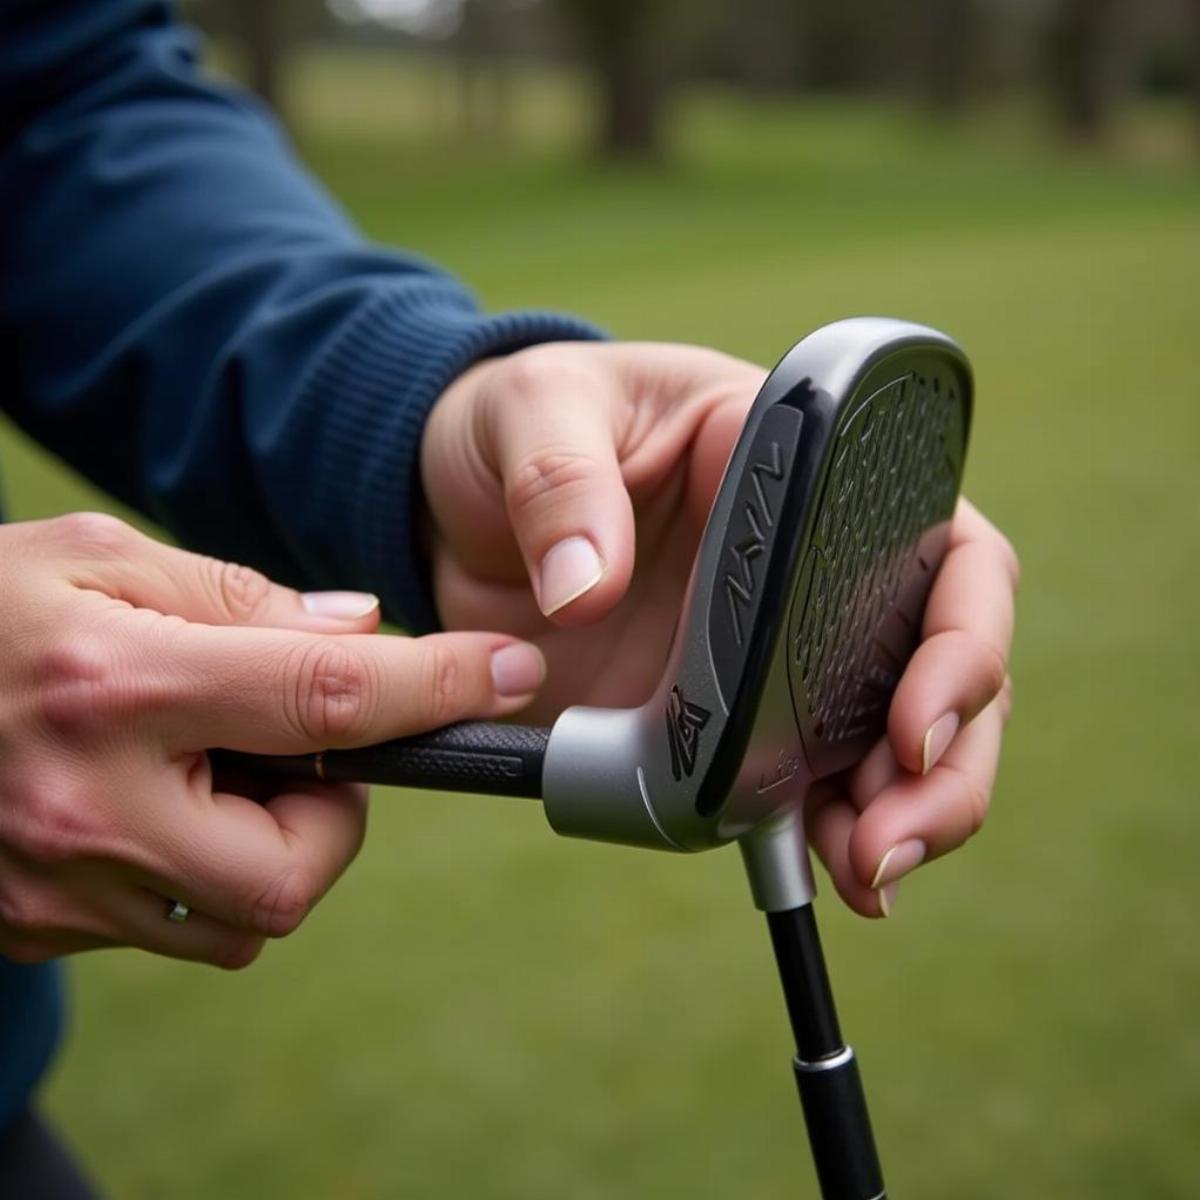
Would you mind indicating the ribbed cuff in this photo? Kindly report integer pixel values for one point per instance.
(374, 387)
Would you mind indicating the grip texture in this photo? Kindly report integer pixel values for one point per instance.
(472, 756)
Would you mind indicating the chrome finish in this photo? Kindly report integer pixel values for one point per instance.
(776, 858)
(840, 1059)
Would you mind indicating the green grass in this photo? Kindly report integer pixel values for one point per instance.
(483, 1010)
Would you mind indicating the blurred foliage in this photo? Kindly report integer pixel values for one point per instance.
(1086, 57)
(480, 1009)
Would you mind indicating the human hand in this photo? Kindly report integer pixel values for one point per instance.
(543, 470)
(924, 789)
(124, 660)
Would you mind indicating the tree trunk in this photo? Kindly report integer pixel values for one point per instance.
(619, 38)
(772, 37)
(948, 58)
(1086, 65)
(1196, 62)
(484, 71)
(260, 27)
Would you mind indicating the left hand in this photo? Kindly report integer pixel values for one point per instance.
(543, 470)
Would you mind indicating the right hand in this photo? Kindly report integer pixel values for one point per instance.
(124, 659)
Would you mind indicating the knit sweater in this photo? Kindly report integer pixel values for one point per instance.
(188, 319)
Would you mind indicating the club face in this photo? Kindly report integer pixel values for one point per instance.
(804, 604)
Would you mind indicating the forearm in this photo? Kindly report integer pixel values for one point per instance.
(196, 325)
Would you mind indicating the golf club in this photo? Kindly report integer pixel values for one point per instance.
(804, 605)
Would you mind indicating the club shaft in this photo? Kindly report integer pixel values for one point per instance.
(472, 756)
(831, 1092)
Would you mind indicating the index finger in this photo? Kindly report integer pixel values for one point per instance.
(962, 661)
(274, 691)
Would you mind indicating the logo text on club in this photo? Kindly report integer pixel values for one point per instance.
(786, 768)
(740, 585)
(684, 722)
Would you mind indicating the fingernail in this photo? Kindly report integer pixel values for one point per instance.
(518, 669)
(937, 737)
(569, 569)
(887, 898)
(898, 861)
(341, 606)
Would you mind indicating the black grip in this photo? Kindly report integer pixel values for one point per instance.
(839, 1128)
(472, 756)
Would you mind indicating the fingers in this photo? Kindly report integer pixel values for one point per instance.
(246, 871)
(541, 459)
(880, 822)
(138, 917)
(869, 839)
(49, 917)
(274, 691)
(962, 663)
(830, 818)
(940, 810)
(551, 431)
(109, 556)
(260, 868)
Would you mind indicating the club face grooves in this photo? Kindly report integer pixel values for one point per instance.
(859, 535)
(877, 532)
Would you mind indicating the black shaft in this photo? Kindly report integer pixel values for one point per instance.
(831, 1093)
(473, 756)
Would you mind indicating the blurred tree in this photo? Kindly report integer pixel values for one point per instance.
(947, 57)
(621, 39)
(1195, 13)
(771, 37)
(262, 33)
(1086, 64)
(849, 44)
(484, 68)
(260, 27)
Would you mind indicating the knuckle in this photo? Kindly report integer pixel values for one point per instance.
(240, 592)
(83, 683)
(983, 667)
(977, 802)
(55, 827)
(533, 371)
(441, 686)
(23, 912)
(282, 905)
(1010, 558)
(334, 694)
(80, 659)
(239, 952)
(550, 471)
(94, 532)
(994, 668)
(1006, 698)
(975, 799)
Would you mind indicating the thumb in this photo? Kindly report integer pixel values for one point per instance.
(554, 449)
(109, 556)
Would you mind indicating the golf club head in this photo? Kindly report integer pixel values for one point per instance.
(804, 604)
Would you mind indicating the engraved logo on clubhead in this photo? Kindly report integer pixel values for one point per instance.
(786, 767)
(741, 584)
(684, 722)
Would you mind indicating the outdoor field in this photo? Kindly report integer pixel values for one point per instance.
(483, 1010)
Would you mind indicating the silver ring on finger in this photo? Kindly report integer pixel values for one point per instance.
(177, 911)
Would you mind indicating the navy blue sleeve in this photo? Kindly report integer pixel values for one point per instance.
(189, 320)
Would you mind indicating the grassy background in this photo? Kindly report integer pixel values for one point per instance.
(483, 1010)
